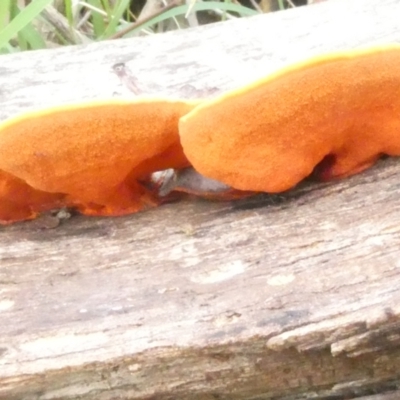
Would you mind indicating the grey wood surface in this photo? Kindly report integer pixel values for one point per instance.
(273, 297)
(385, 396)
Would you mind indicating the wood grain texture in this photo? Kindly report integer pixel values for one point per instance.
(385, 396)
(273, 297)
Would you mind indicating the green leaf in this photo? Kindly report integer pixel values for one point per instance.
(99, 25)
(68, 12)
(32, 38)
(22, 20)
(198, 6)
(121, 7)
(5, 6)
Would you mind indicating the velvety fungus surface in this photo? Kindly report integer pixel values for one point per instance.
(97, 154)
(19, 201)
(270, 135)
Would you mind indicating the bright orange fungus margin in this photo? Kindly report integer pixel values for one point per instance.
(334, 114)
(94, 156)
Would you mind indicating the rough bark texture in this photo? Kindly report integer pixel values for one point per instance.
(273, 297)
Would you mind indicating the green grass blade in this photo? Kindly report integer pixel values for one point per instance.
(22, 20)
(32, 38)
(99, 25)
(198, 6)
(28, 37)
(8, 49)
(118, 12)
(69, 13)
(5, 6)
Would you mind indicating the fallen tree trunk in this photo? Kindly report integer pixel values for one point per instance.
(287, 297)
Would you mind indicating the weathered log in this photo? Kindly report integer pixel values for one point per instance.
(386, 396)
(270, 297)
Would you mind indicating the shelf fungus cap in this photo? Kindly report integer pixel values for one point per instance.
(96, 153)
(342, 107)
(20, 202)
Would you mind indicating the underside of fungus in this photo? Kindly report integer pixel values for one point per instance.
(98, 156)
(189, 181)
(334, 114)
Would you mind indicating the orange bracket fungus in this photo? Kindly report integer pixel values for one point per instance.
(332, 115)
(335, 115)
(97, 156)
(19, 201)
